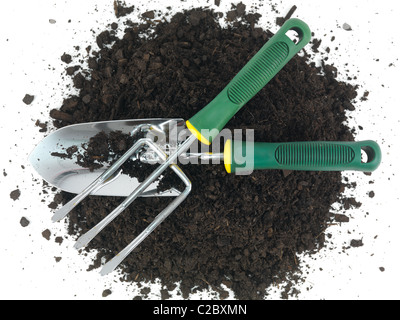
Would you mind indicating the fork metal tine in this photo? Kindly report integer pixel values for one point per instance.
(114, 262)
(87, 237)
(63, 211)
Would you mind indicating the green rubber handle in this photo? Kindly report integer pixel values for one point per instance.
(265, 64)
(310, 156)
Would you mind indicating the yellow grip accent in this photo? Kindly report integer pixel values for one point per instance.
(196, 133)
(228, 156)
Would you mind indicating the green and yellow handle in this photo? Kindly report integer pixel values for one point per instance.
(265, 64)
(307, 156)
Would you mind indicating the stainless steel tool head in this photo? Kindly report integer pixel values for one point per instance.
(66, 174)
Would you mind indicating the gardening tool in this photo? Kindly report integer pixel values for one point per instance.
(66, 174)
(300, 156)
(204, 126)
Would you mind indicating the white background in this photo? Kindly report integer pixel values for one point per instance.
(30, 63)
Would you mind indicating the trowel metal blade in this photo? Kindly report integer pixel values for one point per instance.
(67, 175)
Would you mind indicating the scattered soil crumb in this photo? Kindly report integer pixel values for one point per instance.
(148, 15)
(356, 243)
(165, 294)
(15, 194)
(41, 125)
(365, 96)
(66, 58)
(121, 10)
(53, 205)
(346, 27)
(106, 293)
(145, 291)
(341, 218)
(24, 222)
(371, 194)
(46, 234)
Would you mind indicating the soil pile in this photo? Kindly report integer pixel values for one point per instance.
(240, 231)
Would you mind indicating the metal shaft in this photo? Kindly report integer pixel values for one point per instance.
(151, 158)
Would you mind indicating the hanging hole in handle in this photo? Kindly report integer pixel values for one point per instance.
(367, 154)
(295, 35)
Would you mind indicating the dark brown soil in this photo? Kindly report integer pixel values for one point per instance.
(241, 231)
